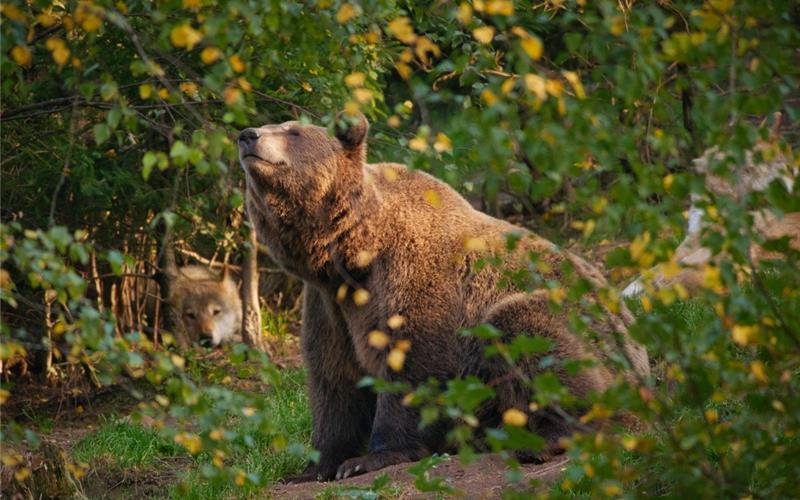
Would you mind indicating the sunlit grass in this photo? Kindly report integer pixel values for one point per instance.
(124, 444)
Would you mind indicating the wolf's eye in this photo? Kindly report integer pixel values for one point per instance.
(294, 132)
(190, 315)
(216, 311)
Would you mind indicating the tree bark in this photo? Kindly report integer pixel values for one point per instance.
(251, 311)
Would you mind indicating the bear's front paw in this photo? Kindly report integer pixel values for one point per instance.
(372, 462)
(312, 472)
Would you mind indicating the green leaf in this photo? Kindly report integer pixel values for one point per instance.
(101, 133)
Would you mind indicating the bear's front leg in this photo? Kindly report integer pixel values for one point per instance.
(395, 438)
(341, 413)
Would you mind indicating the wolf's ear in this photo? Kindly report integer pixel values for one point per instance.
(226, 273)
(351, 130)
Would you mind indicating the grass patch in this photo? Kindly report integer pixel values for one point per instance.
(287, 407)
(124, 444)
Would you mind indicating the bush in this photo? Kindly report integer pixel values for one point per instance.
(580, 117)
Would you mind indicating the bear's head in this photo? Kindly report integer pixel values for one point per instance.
(301, 160)
(305, 187)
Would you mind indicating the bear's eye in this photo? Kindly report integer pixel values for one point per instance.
(294, 132)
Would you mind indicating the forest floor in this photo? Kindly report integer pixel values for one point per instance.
(126, 457)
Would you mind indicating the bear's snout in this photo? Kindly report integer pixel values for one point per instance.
(247, 139)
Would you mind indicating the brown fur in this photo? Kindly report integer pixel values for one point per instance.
(207, 307)
(411, 242)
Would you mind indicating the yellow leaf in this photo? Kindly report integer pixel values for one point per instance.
(555, 88)
(191, 4)
(236, 63)
(670, 269)
(12, 12)
(418, 144)
(355, 79)
(346, 12)
(473, 244)
(209, 55)
(533, 47)
(629, 443)
(59, 50)
(163, 93)
(216, 434)
(515, 418)
(617, 25)
(91, 23)
(500, 7)
(711, 278)
(390, 174)
(360, 297)
(240, 479)
(396, 359)
(667, 181)
(46, 19)
(425, 48)
(396, 321)
(711, 415)
(639, 245)
(536, 85)
(393, 121)
(178, 361)
(191, 442)
(189, 88)
(403, 345)
(372, 37)
(442, 143)
(364, 258)
(377, 339)
(744, 334)
(404, 70)
(4, 394)
(22, 474)
(464, 14)
(557, 295)
(575, 81)
(185, 36)
(757, 369)
(611, 489)
(647, 306)
(483, 34)
(432, 198)
(362, 95)
(488, 97)
(508, 85)
(21, 55)
(402, 30)
(244, 84)
(231, 95)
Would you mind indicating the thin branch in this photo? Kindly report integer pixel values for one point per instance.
(65, 168)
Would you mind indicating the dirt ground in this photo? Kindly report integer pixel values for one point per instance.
(482, 479)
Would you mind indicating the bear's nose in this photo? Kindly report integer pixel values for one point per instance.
(248, 137)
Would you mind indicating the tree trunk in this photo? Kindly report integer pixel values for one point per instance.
(251, 312)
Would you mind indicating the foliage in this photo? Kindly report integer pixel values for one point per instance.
(583, 117)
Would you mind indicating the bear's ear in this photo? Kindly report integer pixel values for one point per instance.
(351, 130)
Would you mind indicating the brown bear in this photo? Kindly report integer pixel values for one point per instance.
(383, 248)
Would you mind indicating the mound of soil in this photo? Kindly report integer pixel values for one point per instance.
(484, 478)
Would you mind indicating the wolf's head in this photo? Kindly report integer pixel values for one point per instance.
(210, 308)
